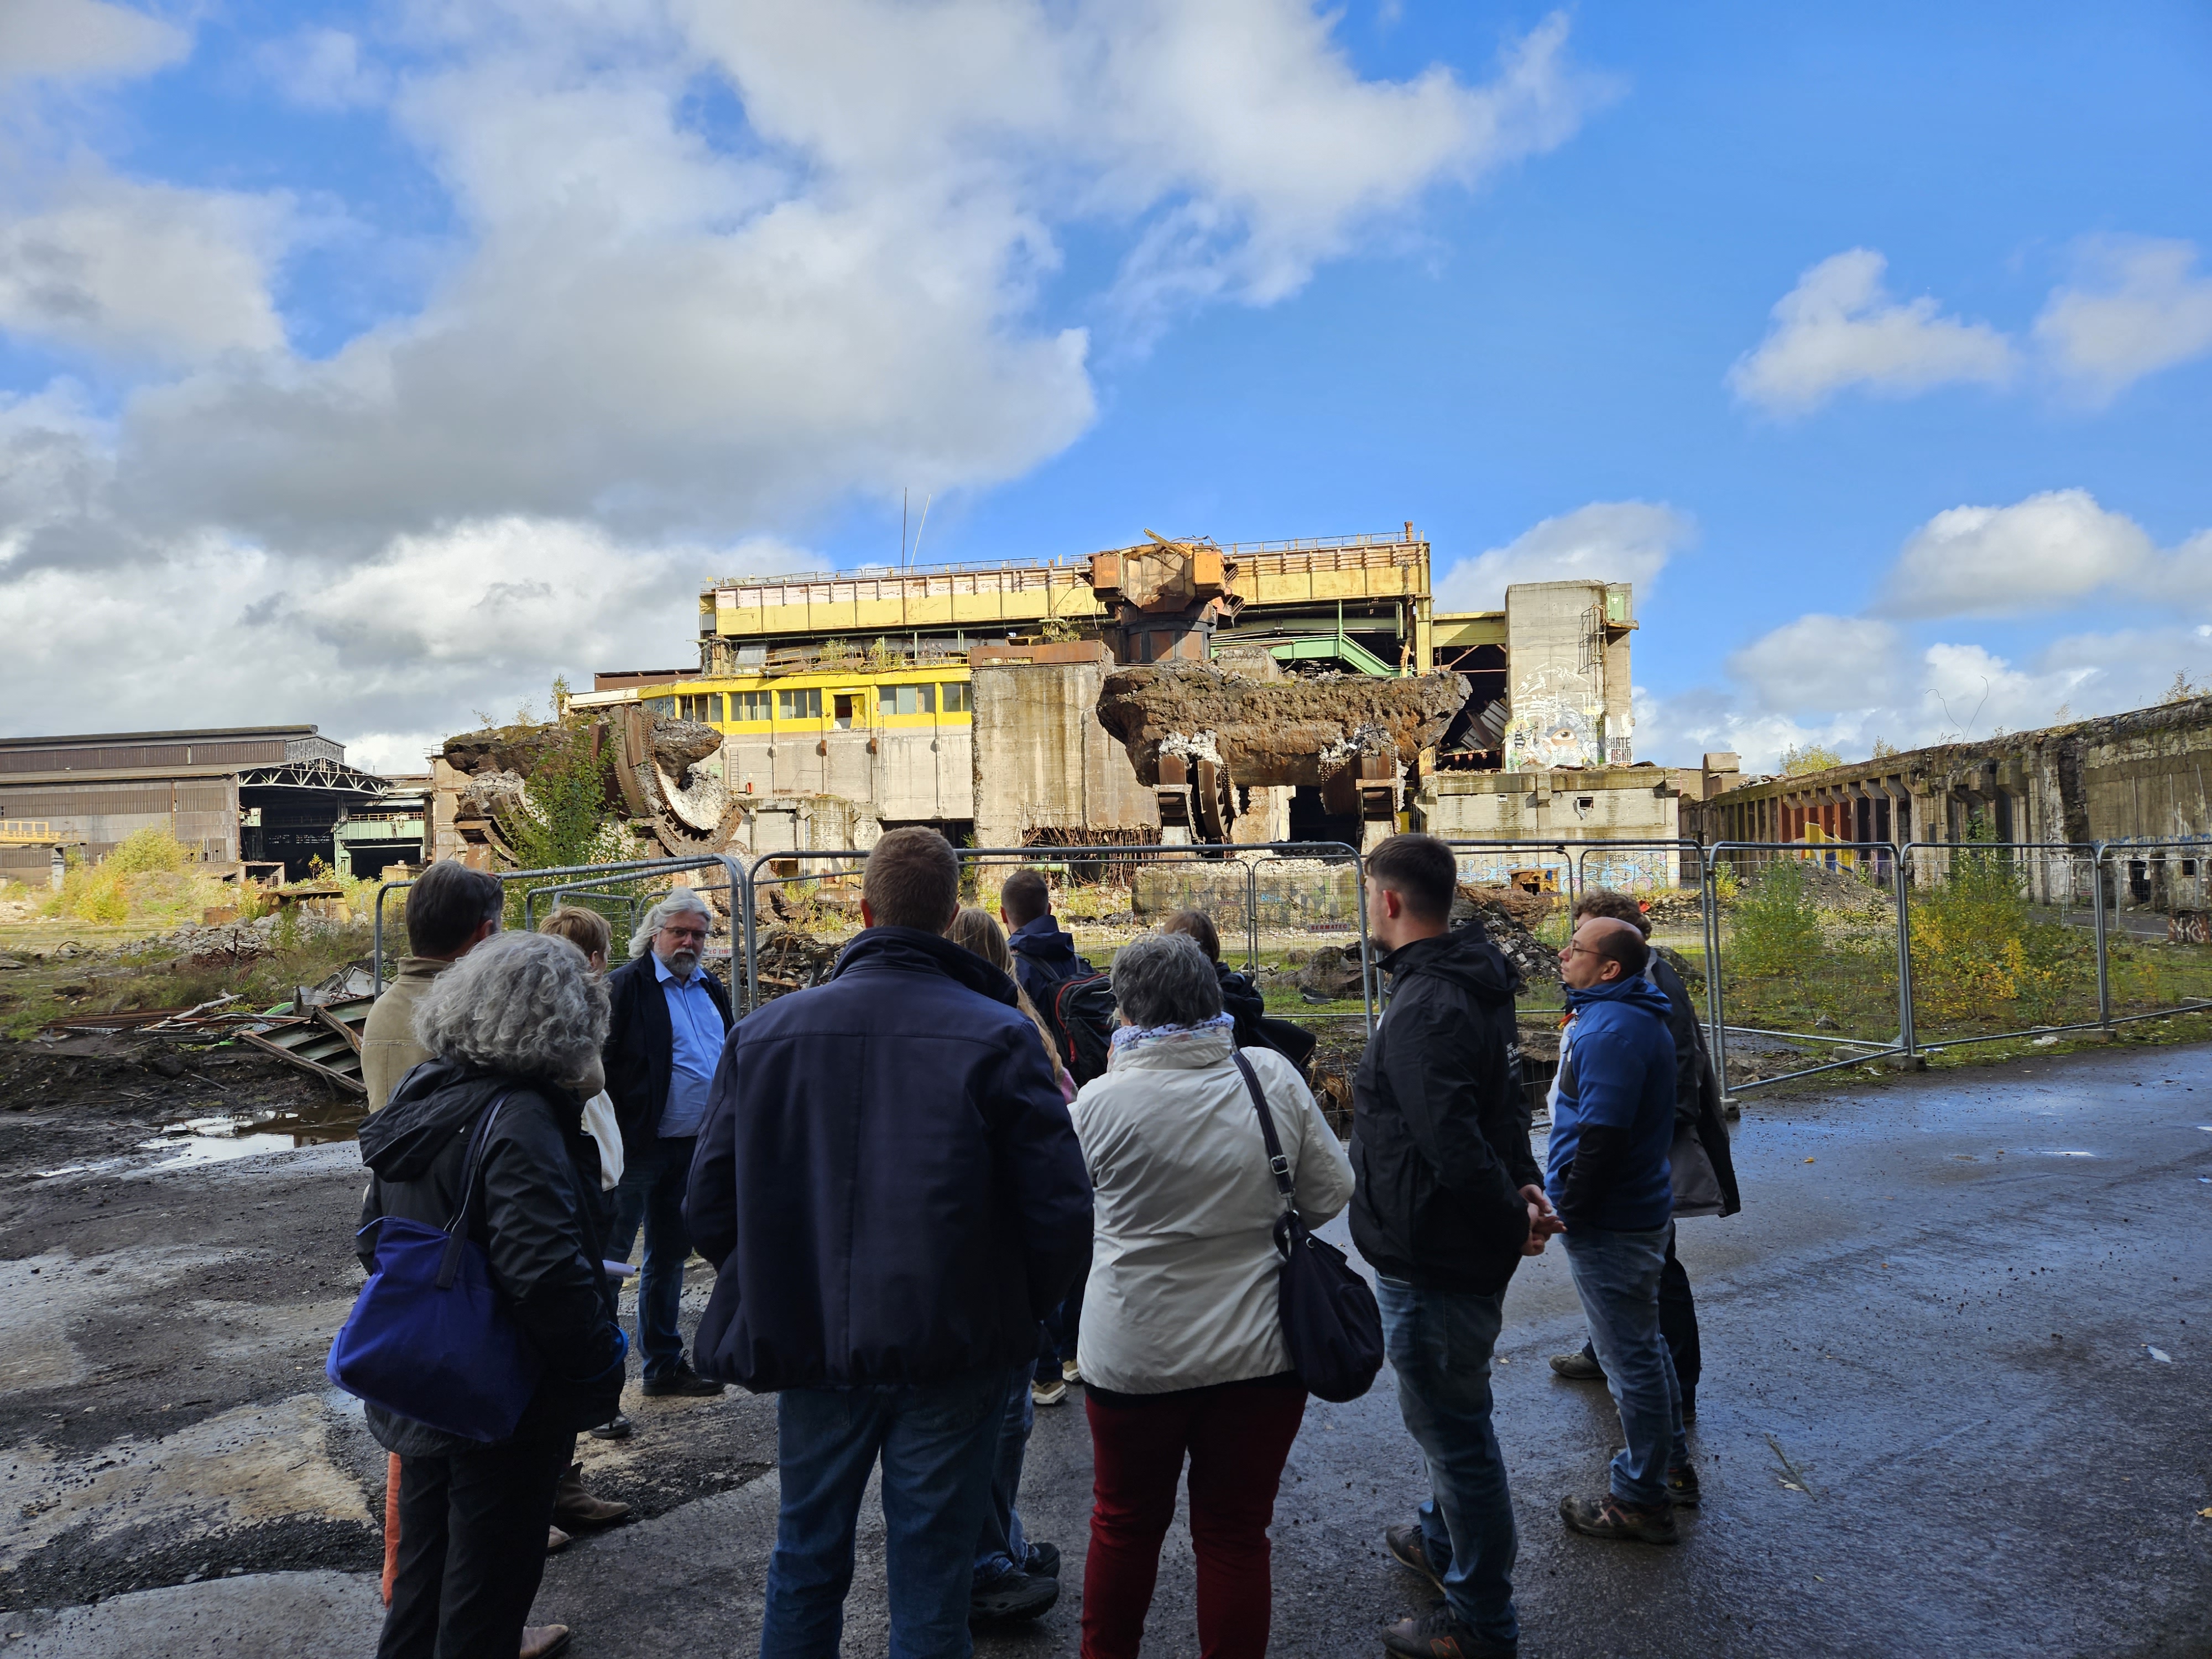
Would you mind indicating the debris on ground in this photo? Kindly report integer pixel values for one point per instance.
(1331, 974)
(1509, 915)
(792, 959)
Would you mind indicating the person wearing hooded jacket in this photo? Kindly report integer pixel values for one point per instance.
(1607, 1175)
(1241, 1000)
(1700, 1165)
(1445, 1206)
(1044, 952)
(893, 1197)
(516, 1023)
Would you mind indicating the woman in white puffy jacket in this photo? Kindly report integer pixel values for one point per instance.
(1182, 1348)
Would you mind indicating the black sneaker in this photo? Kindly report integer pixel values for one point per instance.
(681, 1380)
(1682, 1485)
(1608, 1517)
(1409, 1549)
(1012, 1597)
(1439, 1634)
(618, 1428)
(1043, 1562)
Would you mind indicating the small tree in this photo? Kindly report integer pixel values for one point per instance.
(1812, 757)
(562, 818)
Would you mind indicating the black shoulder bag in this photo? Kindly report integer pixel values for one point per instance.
(1331, 1324)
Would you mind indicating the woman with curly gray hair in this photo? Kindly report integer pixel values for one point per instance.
(1181, 1347)
(514, 1028)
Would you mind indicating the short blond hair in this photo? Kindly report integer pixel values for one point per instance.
(587, 930)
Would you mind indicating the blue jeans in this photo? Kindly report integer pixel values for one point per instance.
(651, 1191)
(936, 1441)
(1003, 1545)
(1439, 1344)
(1617, 1276)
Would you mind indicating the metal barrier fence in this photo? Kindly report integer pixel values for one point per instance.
(2167, 884)
(1213, 867)
(631, 870)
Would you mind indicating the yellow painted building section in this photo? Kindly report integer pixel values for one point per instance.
(854, 698)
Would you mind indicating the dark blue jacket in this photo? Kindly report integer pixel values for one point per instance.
(1613, 1116)
(887, 1182)
(1044, 959)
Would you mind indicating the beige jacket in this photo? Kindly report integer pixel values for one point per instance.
(1184, 1269)
(388, 1049)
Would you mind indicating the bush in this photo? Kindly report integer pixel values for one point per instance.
(1775, 930)
(147, 851)
(1977, 947)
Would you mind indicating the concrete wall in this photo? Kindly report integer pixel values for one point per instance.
(1550, 808)
(2137, 776)
(902, 776)
(1041, 759)
(1566, 677)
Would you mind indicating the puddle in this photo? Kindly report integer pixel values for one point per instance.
(219, 1138)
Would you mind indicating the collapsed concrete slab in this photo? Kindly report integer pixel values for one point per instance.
(1197, 735)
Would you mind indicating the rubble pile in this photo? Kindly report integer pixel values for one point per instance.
(1270, 732)
(1509, 915)
(792, 959)
(1331, 974)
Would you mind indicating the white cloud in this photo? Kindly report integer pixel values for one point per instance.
(480, 615)
(1605, 541)
(1839, 328)
(119, 268)
(2137, 307)
(1997, 561)
(656, 328)
(1820, 663)
(67, 40)
(322, 68)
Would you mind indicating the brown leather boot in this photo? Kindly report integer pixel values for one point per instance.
(575, 1510)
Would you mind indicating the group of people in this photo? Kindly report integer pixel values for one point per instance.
(924, 1225)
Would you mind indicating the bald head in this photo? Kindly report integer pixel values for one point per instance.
(1605, 950)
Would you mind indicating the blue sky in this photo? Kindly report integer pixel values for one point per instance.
(373, 363)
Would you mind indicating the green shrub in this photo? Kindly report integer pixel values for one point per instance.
(1776, 929)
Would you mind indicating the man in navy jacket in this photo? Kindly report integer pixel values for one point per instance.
(893, 1196)
(1606, 1174)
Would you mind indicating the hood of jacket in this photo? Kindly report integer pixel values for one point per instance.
(1637, 993)
(429, 1108)
(912, 951)
(1462, 956)
(1042, 939)
(1239, 996)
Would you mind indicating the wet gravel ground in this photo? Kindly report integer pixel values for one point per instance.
(1956, 1365)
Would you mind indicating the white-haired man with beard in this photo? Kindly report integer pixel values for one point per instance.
(669, 1019)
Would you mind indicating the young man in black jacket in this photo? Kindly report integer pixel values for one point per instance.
(1446, 1204)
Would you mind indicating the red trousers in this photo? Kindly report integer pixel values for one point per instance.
(1237, 1436)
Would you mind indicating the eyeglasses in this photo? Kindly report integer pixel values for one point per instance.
(674, 931)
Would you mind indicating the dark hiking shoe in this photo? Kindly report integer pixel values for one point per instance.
(575, 1510)
(618, 1428)
(1689, 1409)
(1043, 1562)
(1682, 1485)
(556, 1540)
(1608, 1517)
(1013, 1595)
(1409, 1550)
(1439, 1634)
(1578, 1367)
(682, 1381)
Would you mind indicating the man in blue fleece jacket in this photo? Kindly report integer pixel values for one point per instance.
(1606, 1173)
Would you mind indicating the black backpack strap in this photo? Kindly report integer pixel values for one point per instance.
(457, 1230)
(1276, 1161)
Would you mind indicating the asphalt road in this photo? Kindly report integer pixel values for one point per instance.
(1954, 1403)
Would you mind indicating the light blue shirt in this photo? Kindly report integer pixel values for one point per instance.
(699, 1031)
